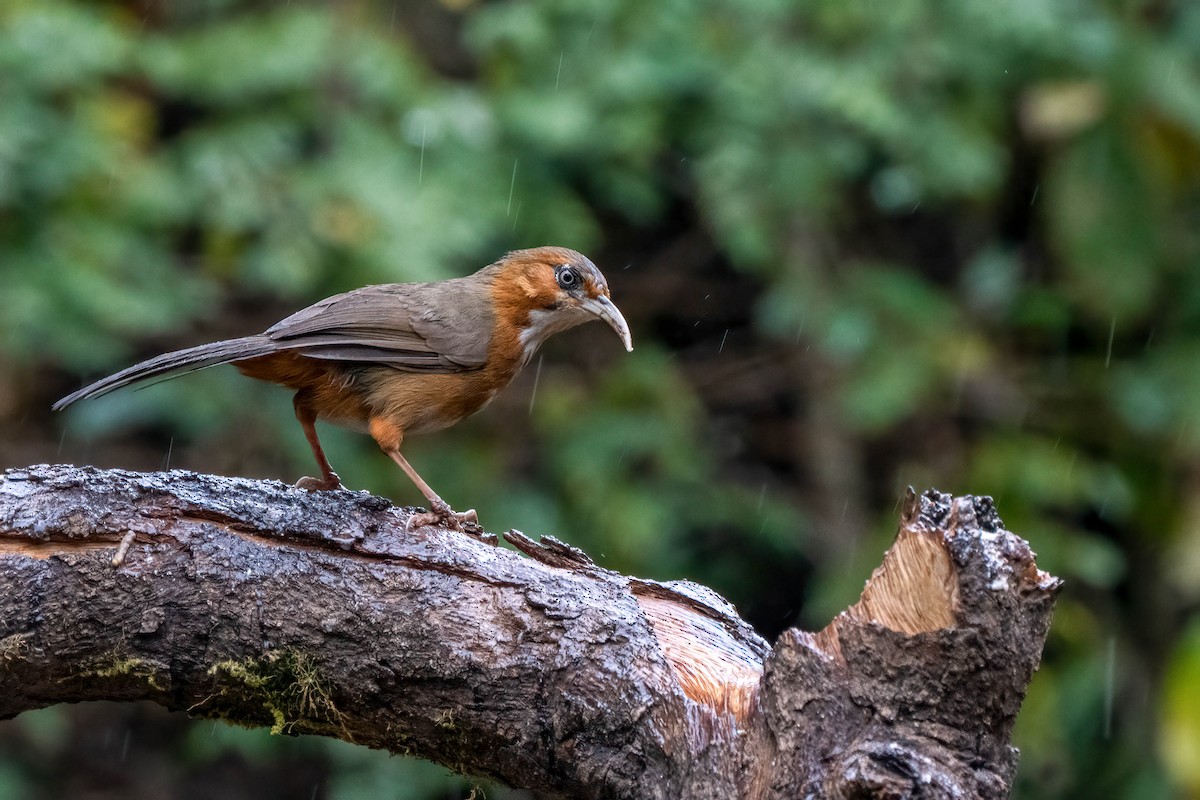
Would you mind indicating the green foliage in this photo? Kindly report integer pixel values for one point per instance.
(1181, 710)
(969, 232)
(633, 468)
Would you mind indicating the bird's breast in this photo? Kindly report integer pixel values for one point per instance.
(422, 403)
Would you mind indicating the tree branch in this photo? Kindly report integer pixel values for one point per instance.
(262, 604)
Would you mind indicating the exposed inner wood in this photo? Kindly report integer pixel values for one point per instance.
(914, 590)
(40, 550)
(713, 667)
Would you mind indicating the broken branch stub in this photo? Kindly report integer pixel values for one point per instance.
(928, 668)
(304, 612)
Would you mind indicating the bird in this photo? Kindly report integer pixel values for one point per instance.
(399, 359)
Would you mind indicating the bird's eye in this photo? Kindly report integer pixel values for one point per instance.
(568, 278)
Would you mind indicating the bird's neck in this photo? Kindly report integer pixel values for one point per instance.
(526, 315)
(542, 324)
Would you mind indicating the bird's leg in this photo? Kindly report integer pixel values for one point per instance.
(388, 436)
(439, 510)
(308, 418)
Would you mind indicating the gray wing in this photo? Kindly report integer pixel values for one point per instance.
(420, 327)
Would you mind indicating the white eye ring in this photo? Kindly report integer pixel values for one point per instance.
(567, 277)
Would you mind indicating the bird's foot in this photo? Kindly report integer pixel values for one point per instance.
(327, 483)
(441, 514)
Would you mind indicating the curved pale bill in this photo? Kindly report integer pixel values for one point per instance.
(604, 308)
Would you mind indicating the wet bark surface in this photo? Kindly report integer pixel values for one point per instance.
(262, 604)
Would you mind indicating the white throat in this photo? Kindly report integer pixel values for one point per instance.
(544, 324)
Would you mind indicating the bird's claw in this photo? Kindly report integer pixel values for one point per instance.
(443, 515)
(327, 483)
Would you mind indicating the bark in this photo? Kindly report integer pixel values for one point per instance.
(317, 613)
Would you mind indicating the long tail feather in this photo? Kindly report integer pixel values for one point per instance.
(180, 362)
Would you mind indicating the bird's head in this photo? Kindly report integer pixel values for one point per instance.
(545, 290)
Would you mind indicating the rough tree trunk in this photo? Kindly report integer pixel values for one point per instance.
(317, 613)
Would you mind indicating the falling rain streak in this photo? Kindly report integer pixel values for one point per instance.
(421, 164)
(511, 186)
(1112, 329)
(1109, 678)
(537, 376)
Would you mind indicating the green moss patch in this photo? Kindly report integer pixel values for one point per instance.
(285, 683)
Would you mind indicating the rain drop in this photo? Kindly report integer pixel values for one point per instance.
(1109, 678)
(421, 164)
(511, 186)
(537, 375)
(1112, 329)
